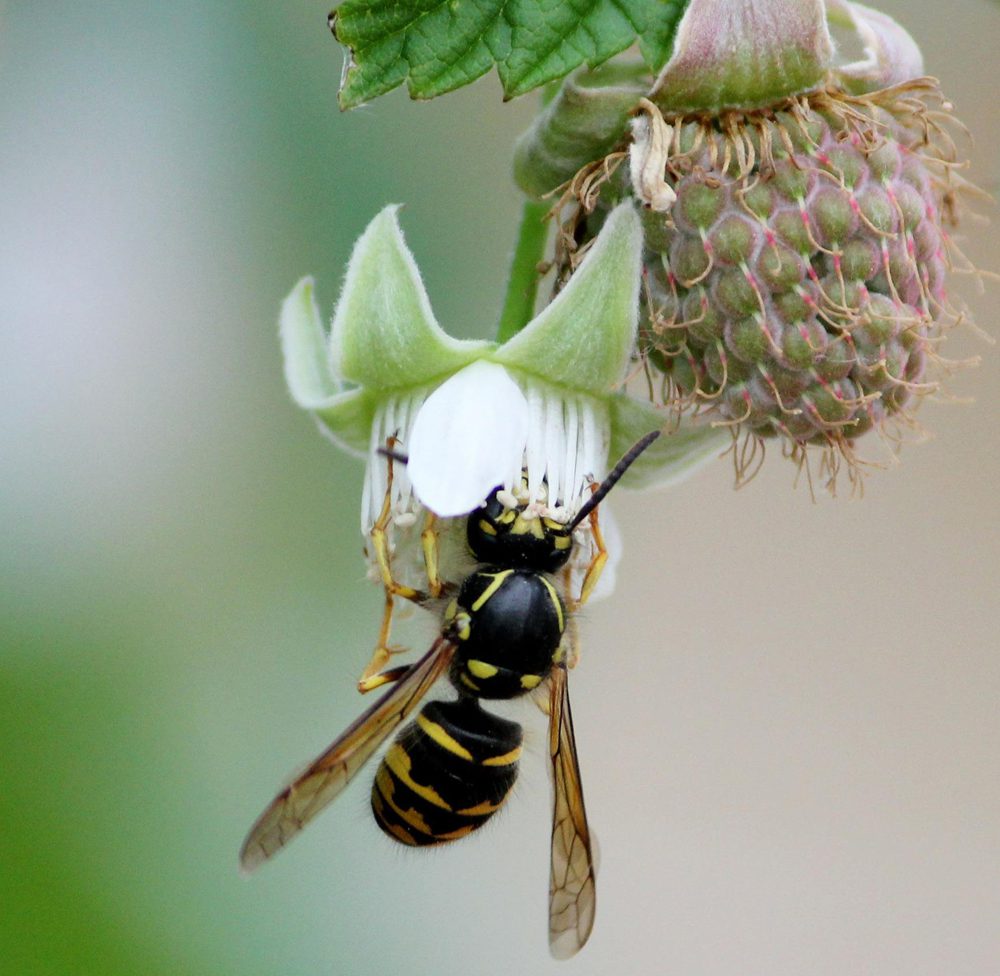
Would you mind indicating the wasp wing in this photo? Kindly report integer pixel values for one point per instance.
(572, 895)
(320, 784)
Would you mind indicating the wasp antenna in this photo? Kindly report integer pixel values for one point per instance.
(614, 476)
(395, 455)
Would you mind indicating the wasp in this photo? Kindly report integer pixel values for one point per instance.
(451, 768)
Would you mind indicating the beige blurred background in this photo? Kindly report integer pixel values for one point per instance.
(787, 715)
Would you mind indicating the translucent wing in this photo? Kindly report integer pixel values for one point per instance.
(320, 784)
(572, 896)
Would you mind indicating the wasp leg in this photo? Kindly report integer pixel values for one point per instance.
(429, 543)
(373, 675)
(384, 677)
(370, 677)
(597, 563)
(590, 578)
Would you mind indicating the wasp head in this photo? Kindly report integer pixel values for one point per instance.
(510, 530)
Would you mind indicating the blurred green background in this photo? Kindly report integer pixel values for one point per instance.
(787, 715)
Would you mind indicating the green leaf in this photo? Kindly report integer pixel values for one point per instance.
(436, 46)
(656, 39)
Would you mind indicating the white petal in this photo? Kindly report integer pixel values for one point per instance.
(535, 456)
(375, 473)
(594, 445)
(568, 489)
(393, 418)
(568, 439)
(468, 437)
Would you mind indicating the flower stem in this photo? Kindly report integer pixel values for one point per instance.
(522, 287)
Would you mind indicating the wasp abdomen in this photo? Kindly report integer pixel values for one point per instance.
(446, 774)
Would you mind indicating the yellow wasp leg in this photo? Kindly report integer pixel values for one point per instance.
(373, 676)
(590, 578)
(596, 567)
(429, 543)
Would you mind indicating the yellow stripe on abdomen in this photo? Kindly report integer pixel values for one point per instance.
(399, 762)
(442, 738)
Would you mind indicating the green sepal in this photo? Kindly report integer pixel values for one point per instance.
(583, 339)
(673, 456)
(744, 55)
(347, 419)
(584, 122)
(384, 334)
(303, 342)
(891, 55)
(345, 414)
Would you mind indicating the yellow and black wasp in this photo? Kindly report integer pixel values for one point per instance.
(451, 769)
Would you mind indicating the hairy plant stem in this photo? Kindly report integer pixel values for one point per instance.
(522, 286)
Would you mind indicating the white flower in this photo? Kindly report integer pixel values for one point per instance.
(471, 415)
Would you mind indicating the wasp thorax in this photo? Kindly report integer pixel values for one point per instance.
(511, 627)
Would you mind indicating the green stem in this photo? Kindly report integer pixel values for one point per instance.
(522, 288)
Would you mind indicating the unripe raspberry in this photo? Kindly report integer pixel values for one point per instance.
(800, 294)
(795, 209)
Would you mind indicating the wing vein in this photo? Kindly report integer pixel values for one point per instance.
(333, 769)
